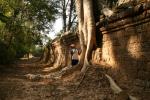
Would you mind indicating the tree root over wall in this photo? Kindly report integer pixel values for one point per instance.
(120, 94)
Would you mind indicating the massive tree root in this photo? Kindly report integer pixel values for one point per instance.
(86, 30)
(86, 27)
(44, 55)
(122, 95)
(61, 57)
(58, 61)
(47, 58)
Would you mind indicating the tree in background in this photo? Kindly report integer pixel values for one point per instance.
(67, 12)
(21, 23)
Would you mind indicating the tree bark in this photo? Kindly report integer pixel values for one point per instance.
(86, 27)
(61, 56)
(64, 15)
(70, 15)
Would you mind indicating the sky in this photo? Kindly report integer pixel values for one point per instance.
(57, 27)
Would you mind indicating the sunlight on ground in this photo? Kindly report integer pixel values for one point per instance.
(25, 57)
(51, 68)
(47, 69)
(37, 77)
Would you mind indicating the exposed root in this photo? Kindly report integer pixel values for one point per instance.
(122, 95)
(85, 67)
(70, 70)
(33, 77)
(52, 69)
(37, 77)
(116, 89)
(82, 78)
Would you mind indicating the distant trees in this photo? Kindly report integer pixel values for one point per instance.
(21, 23)
(66, 10)
(61, 55)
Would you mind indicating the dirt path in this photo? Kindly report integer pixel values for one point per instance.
(14, 86)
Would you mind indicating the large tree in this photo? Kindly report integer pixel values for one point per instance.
(86, 24)
(67, 13)
(21, 22)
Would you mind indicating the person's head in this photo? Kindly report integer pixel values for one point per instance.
(72, 46)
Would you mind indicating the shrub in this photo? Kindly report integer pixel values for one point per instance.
(7, 55)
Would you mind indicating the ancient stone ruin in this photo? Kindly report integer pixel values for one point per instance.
(126, 45)
(123, 46)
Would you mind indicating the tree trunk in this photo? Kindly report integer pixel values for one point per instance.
(51, 57)
(70, 15)
(61, 56)
(64, 15)
(45, 55)
(86, 30)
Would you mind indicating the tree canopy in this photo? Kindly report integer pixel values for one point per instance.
(21, 24)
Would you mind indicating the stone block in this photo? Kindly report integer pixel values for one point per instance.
(128, 46)
(129, 31)
(133, 39)
(106, 37)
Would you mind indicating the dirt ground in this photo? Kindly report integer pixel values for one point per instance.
(15, 86)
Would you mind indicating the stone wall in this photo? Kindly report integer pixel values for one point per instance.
(126, 44)
(62, 48)
(96, 56)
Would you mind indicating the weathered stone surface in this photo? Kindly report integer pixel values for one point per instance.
(96, 56)
(126, 47)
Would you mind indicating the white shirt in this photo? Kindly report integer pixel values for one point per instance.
(75, 54)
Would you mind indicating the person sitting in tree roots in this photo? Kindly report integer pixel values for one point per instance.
(74, 55)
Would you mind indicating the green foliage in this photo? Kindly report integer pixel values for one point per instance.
(7, 55)
(37, 51)
(21, 23)
(42, 13)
